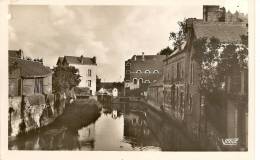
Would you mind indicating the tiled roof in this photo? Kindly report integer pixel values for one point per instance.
(77, 60)
(151, 62)
(225, 32)
(30, 69)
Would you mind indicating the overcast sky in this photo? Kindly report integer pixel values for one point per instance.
(111, 33)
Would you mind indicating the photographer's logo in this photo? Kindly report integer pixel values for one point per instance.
(230, 141)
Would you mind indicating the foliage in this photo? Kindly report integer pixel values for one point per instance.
(166, 51)
(218, 60)
(178, 37)
(65, 77)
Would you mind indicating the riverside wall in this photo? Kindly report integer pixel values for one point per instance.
(28, 113)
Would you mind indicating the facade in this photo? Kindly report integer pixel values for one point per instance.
(87, 69)
(142, 69)
(28, 77)
(179, 95)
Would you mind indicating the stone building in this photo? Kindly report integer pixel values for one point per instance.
(28, 77)
(141, 70)
(182, 99)
(87, 69)
(31, 102)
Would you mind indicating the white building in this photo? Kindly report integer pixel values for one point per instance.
(115, 92)
(87, 69)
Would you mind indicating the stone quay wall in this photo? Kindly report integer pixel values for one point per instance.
(28, 113)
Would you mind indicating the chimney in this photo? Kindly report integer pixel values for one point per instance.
(81, 59)
(135, 57)
(142, 56)
(211, 13)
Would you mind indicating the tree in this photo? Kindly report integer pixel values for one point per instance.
(166, 51)
(178, 37)
(64, 78)
(218, 60)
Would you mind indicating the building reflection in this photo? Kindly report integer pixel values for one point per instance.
(136, 130)
(86, 137)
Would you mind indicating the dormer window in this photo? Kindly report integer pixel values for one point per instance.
(147, 71)
(156, 71)
(138, 71)
(128, 64)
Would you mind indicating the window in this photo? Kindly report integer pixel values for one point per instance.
(172, 73)
(135, 81)
(38, 85)
(128, 64)
(140, 81)
(190, 102)
(178, 70)
(138, 71)
(127, 71)
(156, 71)
(147, 71)
(147, 81)
(89, 72)
(89, 83)
(191, 72)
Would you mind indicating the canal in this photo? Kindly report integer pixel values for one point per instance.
(120, 127)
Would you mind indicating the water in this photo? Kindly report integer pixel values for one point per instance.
(119, 128)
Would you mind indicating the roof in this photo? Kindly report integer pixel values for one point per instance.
(146, 57)
(224, 31)
(77, 60)
(15, 53)
(30, 69)
(151, 62)
(177, 51)
(111, 85)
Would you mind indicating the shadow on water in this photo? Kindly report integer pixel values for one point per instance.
(62, 134)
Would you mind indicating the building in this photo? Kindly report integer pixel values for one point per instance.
(141, 70)
(87, 69)
(114, 88)
(179, 92)
(28, 77)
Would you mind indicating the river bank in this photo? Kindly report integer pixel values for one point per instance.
(76, 115)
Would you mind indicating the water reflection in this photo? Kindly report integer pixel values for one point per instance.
(120, 127)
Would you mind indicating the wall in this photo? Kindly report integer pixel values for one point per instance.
(232, 119)
(14, 119)
(28, 113)
(83, 71)
(13, 87)
(28, 86)
(14, 77)
(47, 85)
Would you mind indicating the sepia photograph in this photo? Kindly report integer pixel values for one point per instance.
(129, 77)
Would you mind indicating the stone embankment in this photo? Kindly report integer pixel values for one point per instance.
(27, 113)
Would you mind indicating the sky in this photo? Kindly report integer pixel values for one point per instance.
(111, 33)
